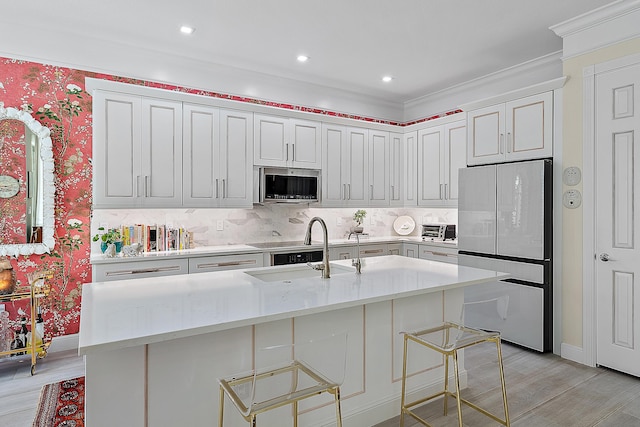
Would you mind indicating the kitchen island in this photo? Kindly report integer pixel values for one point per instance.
(154, 347)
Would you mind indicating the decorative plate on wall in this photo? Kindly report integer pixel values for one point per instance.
(404, 225)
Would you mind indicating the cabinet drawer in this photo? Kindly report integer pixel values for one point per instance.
(139, 270)
(372, 250)
(224, 262)
(435, 253)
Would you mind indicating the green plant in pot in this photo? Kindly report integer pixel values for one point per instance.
(109, 237)
(358, 217)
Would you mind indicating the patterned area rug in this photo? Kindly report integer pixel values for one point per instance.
(61, 404)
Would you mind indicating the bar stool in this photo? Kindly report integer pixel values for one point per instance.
(448, 338)
(284, 375)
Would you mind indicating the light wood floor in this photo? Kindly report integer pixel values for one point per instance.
(543, 391)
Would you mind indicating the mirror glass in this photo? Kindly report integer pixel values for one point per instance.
(26, 184)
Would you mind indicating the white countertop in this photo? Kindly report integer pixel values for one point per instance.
(98, 258)
(135, 312)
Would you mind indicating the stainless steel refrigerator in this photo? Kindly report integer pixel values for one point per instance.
(505, 224)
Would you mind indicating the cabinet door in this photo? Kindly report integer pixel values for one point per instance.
(397, 171)
(410, 162)
(334, 143)
(430, 166)
(342, 252)
(306, 147)
(116, 150)
(201, 156)
(410, 250)
(455, 157)
(378, 165)
(236, 154)
(394, 249)
(485, 135)
(357, 171)
(271, 135)
(161, 178)
(529, 127)
(373, 250)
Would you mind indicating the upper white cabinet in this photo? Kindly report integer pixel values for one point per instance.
(355, 167)
(410, 168)
(397, 169)
(137, 151)
(283, 142)
(218, 160)
(516, 130)
(441, 153)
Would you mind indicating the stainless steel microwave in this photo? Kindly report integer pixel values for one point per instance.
(288, 185)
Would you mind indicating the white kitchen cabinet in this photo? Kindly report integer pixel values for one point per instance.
(218, 163)
(345, 158)
(224, 262)
(438, 253)
(139, 269)
(394, 249)
(370, 250)
(410, 164)
(137, 152)
(378, 166)
(284, 142)
(516, 130)
(410, 250)
(396, 169)
(441, 153)
(342, 252)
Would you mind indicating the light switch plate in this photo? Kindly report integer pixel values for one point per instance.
(220, 225)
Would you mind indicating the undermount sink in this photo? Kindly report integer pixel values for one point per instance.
(291, 272)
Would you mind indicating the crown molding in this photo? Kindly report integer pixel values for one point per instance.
(602, 27)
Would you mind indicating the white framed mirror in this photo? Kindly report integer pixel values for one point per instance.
(26, 185)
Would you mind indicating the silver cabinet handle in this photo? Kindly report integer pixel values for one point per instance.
(343, 196)
(509, 142)
(226, 264)
(138, 185)
(393, 192)
(349, 188)
(224, 188)
(371, 251)
(604, 257)
(142, 271)
(371, 191)
(440, 197)
(147, 186)
(287, 148)
(293, 152)
(502, 143)
(446, 194)
(217, 195)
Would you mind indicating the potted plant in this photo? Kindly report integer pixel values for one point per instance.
(109, 237)
(358, 217)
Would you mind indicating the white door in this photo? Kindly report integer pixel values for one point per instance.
(236, 159)
(618, 219)
(334, 177)
(306, 146)
(430, 166)
(378, 164)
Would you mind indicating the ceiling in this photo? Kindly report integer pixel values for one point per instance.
(425, 45)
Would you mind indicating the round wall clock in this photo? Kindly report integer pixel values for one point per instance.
(9, 186)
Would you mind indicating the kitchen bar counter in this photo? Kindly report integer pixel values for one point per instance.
(166, 340)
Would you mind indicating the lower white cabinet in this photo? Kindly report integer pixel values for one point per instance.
(373, 250)
(224, 262)
(410, 250)
(439, 253)
(394, 249)
(342, 252)
(139, 269)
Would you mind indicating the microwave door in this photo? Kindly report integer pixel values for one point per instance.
(477, 209)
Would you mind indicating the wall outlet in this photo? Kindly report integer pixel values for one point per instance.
(220, 225)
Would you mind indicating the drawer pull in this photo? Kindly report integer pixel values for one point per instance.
(372, 251)
(141, 271)
(226, 264)
(437, 253)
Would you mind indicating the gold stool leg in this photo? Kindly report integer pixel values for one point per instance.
(221, 407)
(295, 413)
(504, 388)
(446, 383)
(338, 409)
(404, 381)
(457, 379)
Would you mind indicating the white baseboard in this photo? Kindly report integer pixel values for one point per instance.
(65, 343)
(571, 352)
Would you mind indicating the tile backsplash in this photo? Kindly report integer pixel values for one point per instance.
(275, 222)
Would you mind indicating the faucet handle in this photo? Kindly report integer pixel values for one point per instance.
(316, 266)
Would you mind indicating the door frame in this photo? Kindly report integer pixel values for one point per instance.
(589, 299)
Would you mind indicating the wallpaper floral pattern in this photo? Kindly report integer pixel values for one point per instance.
(13, 210)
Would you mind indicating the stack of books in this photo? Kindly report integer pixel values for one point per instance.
(156, 237)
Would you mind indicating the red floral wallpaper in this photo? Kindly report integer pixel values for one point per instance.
(56, 97)
(13, 162)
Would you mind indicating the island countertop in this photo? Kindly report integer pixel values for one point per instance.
(128, 313)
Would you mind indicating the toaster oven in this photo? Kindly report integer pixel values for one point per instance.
(438, 231)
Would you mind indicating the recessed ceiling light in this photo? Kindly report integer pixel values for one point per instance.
(387, 79)
(185, 29)
(303, 58)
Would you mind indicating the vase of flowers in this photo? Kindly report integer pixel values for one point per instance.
(358, 217)
(107, 238)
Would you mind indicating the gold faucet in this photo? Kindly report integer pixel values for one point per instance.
(326, 273)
